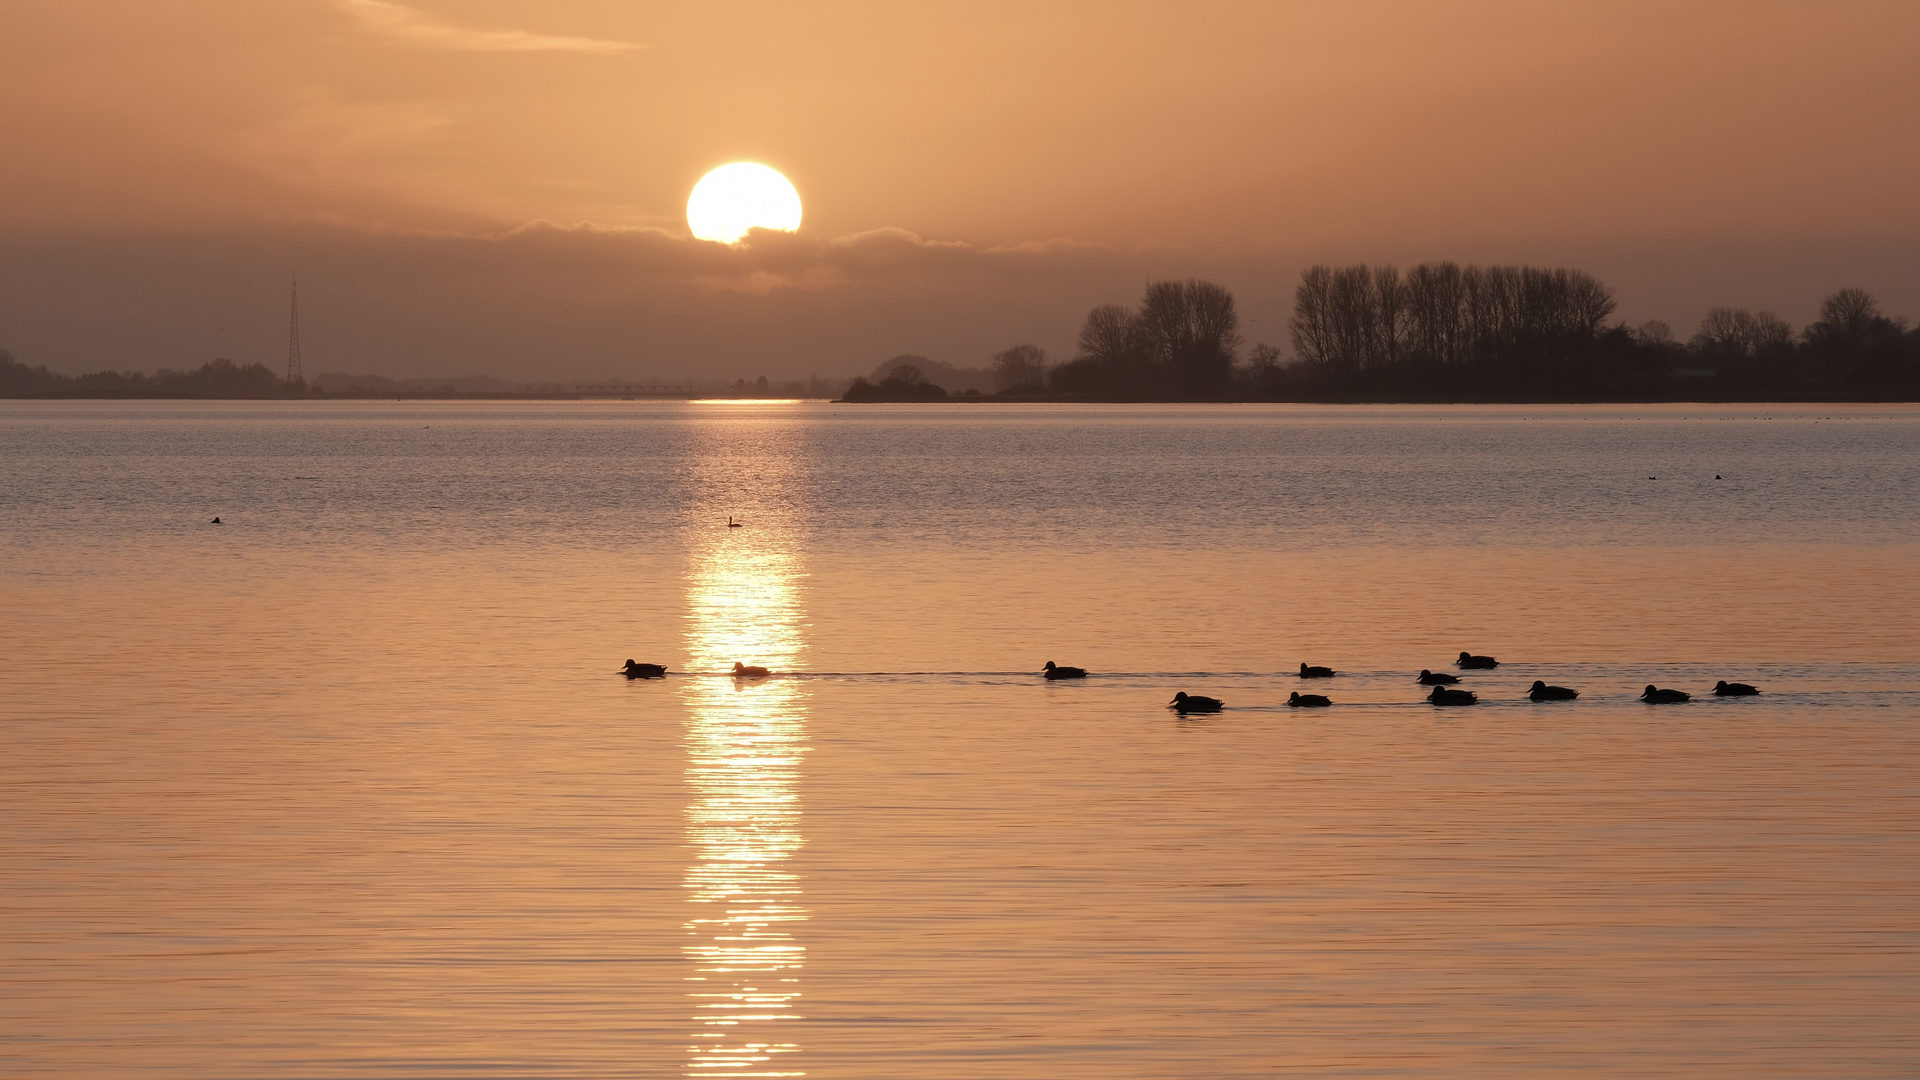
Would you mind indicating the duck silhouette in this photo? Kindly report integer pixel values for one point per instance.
(216, 521)
(1184, 702)
(1723, 688)
(1428, 678)
(1308, 671)
(1298, 700)
(1653, 695)
(1468, 660)
(1443, 696)
(1542, 692)
(1055, 671)
(742, 671)
(637, 670)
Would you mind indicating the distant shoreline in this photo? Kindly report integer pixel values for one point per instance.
(1893, 396)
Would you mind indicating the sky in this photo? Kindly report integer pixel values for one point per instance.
(499, 186)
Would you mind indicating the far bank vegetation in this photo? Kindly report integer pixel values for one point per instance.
(1442, 331)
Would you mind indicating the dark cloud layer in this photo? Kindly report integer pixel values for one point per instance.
(546, 302)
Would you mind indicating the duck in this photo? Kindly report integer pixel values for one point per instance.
(216, 521)
(1428, 678)
(742, 671)
(1468, 660)
(1653, 695)
(1443, 696)
(1308, 671)
(1308, 701)
(1723, 688)
(732, 524)
(637, 670)
(1055, 671)
(1542, 692)
(1184, 702)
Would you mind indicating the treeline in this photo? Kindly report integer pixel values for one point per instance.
(214, 379)
(1446, 331)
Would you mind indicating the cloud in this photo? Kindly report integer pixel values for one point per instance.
(403, 25)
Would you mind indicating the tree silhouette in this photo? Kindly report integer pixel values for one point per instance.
(1191, 330)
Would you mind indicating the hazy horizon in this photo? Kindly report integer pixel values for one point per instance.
(498, 188)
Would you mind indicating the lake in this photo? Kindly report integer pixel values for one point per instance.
(348, 786)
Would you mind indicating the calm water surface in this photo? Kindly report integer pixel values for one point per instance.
(347, 786)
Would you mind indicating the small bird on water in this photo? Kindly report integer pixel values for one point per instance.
(1428, 678)
(1308, 671)
(1468, 660)
(216, 521)
(1184, 703)
(1053, 671)
(1443, 696)
(637, 670)
(1542, 692)
(742, 671)
(732, 524)
(1298, 700)
(1656, 696)
(1723, 688)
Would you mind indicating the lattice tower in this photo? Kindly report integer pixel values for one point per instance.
(293, 336)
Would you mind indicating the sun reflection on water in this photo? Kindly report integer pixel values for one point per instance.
(744, 747)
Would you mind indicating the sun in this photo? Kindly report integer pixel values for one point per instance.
(744, 195)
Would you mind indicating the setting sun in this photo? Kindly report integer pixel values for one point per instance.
(744, 195)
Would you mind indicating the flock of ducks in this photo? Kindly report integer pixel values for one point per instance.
(1443, 692)
(1443, 684)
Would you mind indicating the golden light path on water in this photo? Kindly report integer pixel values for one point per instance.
(745, 743)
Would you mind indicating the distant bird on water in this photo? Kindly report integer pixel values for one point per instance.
(732, 524)
(1443, 696)
(1542, 692)
(1723, 688)
(637, 670)
(1468, 660)
(742, 671)
(1428, 678)
(1308, 671)
(1298, 700)
(216, 521)
(1184, 702)
(1656, 696)
(1054, 671)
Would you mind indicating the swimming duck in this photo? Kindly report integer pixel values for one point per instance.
(1428, 678)
(1309, 701)
(1054, 671)
(1184, 702)
(1443, 696)
(216, 521)
(741, 671)
(1468, 660)
(732, 524)
(1308, 671)
(1542, 692)
(637, 670)
(1723, 688)
(1656, 696)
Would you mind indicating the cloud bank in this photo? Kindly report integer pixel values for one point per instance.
(403, 25)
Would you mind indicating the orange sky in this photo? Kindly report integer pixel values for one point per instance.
(973, 174)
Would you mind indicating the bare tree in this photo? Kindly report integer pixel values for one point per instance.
(1191, 328)
(1847, 316)
(1021, 365)
(1311, 326)
(1264, 360)
(1653, 333)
